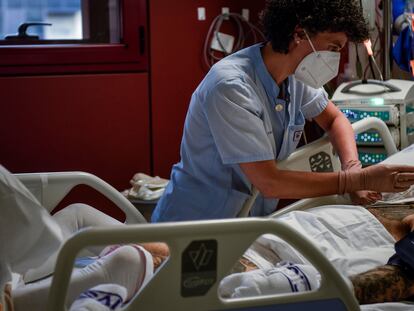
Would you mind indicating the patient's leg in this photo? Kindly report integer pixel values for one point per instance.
(80, 216)
(125, 266)
(72, 219)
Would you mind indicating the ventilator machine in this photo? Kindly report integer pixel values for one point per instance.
(391, 101)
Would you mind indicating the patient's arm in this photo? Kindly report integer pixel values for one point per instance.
(383, 284)
(399, 226)
(387, 283)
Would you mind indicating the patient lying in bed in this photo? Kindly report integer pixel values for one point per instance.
(358, 242)
(354, 239)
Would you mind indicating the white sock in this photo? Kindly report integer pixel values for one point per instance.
(284, 278)
(108, 297)
(72, 219)
(128, 266)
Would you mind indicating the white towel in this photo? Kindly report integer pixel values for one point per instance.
(101, 298)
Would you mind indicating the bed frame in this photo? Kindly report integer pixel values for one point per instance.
(187, 285)
(184, 285)
(51, 188)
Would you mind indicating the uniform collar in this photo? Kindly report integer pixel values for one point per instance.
(272, 89)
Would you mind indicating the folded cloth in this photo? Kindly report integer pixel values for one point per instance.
(101, 298)
(143, 193)
(150, 182)
(145, 187)
(285, 277)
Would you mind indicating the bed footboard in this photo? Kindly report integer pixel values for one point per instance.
(183, 284)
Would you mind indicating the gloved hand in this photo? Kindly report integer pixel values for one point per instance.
(361, 197)
(380, 178)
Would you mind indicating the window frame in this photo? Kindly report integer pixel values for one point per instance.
(129, 55)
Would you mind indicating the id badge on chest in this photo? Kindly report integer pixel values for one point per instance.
(297, 136)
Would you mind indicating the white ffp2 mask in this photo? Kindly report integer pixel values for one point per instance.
(318, 68)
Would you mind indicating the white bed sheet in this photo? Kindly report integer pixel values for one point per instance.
(352, 239)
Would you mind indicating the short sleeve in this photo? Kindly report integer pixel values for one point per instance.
(314, 102)
(234, 114)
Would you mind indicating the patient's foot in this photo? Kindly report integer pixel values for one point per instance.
(159, 252)
(398, 229)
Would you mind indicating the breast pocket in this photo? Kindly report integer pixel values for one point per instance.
(293, 136)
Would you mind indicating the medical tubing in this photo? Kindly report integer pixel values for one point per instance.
(372, 58)
(209, 58)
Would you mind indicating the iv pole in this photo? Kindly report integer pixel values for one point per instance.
(387, 18)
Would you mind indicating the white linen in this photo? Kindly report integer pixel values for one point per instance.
(27, 233)
(353, 240)
(389, 306)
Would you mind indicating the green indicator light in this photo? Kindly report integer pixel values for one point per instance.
(377, 101)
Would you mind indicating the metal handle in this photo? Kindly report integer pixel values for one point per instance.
(22, 31)
(388, 87)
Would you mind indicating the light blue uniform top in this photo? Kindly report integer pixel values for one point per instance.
(234, 117)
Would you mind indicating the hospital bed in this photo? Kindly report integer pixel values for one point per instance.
(51, 188)
(175, 285)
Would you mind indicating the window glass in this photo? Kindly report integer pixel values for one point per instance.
(79, 21)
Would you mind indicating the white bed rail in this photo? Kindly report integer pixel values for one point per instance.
(299, 160)
(51, 188)
(164, 291)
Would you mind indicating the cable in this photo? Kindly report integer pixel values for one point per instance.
(210, 56)
(371, 67)
(358, 63)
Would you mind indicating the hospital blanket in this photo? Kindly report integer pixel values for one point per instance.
(350, 236)
(353, 240)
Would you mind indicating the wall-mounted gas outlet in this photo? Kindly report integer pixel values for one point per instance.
(201, 13)
(225, 10)
(246, 14)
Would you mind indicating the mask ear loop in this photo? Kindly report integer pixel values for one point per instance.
(319, 54)
(310, 41)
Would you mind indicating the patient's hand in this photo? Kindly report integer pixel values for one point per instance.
(365, 197)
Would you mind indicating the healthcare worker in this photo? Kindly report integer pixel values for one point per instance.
(249, 113)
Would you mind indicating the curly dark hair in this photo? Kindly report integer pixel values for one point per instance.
(280, 17)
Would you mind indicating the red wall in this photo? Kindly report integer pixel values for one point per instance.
(104, 123)
(177, 38)
(93, 123)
